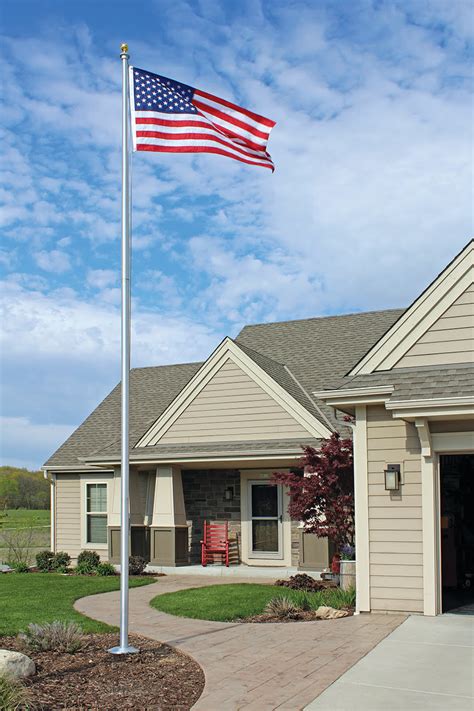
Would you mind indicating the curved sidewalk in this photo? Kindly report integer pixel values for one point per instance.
(250, 666)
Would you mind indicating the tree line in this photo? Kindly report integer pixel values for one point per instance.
(23, 489)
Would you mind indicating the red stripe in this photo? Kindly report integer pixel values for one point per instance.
(200, 124)
(194, 136)
(230, 119)
(198, 149)
(246, 112)
(167, 122)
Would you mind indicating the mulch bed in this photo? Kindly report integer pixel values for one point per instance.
(158, 678)
(300, 616)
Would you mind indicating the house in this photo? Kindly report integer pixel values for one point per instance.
(205, 438)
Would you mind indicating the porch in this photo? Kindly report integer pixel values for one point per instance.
(168, 507)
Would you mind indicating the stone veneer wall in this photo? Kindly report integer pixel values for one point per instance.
(295, 543)
(204, 499)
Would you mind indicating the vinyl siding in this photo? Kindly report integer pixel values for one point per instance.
(449, 340)
(395, 521)
(233, 407)
(68, 513)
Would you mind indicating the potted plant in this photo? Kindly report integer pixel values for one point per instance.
(347, 567)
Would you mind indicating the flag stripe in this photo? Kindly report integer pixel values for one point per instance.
(235, 121)
(181, 133)
(208, 141)
(166, 148)
(250, 114)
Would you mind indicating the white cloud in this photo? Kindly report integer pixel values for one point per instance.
(53, 261)
(100, 278)
(35, 441)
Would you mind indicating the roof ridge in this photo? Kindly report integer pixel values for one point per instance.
(323, 318)
(244, 346)
(168, 365)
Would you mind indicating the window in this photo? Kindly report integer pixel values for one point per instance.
(96, 513)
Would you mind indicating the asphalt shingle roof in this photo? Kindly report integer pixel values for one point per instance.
(318, 352)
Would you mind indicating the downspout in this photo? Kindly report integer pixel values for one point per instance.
(51, 477)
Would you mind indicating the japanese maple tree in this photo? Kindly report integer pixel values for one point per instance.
(322, 494)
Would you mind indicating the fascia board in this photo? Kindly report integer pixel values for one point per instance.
(432, 303)
(225, 350)
(354, 392)
(431, 402)
(222, 457)
(71, 470)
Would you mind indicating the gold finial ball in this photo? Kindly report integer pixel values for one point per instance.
(124, 47)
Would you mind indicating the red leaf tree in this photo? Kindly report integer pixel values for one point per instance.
(322, 495)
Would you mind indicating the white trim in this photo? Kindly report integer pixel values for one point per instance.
(423, 427)
(421, 315)
(431, 402)
(84, 482)
(453, 442)
(200, 459)
(361, 497)
(225, 351)
(354, 392)
(75, 470)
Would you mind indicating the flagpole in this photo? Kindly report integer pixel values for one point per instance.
(124, 647)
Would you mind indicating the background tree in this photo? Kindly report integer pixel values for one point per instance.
(322, 494)
(23, 489)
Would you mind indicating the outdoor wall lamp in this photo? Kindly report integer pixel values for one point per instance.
(229, 493)
(392, 477)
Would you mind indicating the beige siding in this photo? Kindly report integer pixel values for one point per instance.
(449, 340)
(395, 521)
(233, 407)
(68, 514)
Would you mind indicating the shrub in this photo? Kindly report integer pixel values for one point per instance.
(54, 636)
(90, 557)
(105, 569)
(13, 694)
(19, 543)
(45, 560)
(20, 567)
(136, 565)
(85, 568)
(282, 607)
(61, 560)
(301, 581)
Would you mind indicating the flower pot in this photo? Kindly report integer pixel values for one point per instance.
(348, 574)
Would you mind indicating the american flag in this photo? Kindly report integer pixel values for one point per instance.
(171, 117)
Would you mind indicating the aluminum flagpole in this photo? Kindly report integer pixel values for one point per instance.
(124, 647)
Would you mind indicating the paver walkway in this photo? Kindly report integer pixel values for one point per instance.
(248, 666)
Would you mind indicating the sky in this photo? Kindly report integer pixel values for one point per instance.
(371, 197)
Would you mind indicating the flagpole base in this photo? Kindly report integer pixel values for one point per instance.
(123, 650)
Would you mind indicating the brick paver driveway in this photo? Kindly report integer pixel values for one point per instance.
(250, 666)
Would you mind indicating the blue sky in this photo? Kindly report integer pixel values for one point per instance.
(371, 196)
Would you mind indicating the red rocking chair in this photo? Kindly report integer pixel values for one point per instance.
(216, 540)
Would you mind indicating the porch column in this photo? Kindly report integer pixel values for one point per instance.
(361, 498)
(169, 531)
(431, 602)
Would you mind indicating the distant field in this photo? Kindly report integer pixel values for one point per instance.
(21, 518)
(17, 524)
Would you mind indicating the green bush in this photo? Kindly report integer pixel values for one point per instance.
(90, 557)
(57, 636)
(105, 569)
(13, 694)
(61, 560)
(136, 565)
(20, 568)
(85, 568)
(45, 561)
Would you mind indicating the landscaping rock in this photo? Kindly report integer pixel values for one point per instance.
(16, 664)
(329, 613)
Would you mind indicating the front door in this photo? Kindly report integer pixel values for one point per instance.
(266, 516)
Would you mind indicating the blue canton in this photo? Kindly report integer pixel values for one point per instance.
(156, 93)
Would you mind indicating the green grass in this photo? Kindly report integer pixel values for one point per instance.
(225, 603)
(23, 518)
(44, 597)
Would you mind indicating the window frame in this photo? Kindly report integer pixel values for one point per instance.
(85, 542)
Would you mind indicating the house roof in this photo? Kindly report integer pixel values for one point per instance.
(301, 356)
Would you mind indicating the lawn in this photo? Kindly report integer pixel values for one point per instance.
(44, 597)
(24, 518)
(225, 603)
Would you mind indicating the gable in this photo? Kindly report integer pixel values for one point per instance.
(448, 296)
(233, 399)
(449, 340)
(232, 406)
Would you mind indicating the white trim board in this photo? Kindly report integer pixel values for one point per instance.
(421, 315)
(228, 350)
